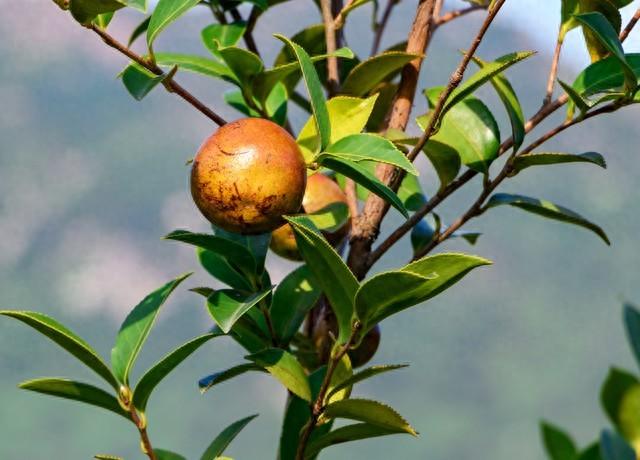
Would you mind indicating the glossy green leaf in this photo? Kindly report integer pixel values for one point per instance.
(352, 6)
(511, 103)
(285, 368)
(347, 433)
(85, 11)
(632, 327)
(592, 452)
(605, 75)
(608, 37)
(347, 115)
(218, 267)
(546, 209)
(103, 20)
(614, 447)
(296, 415)
(222, 441)
(368, 74)
(140, 5)
(482, 76)
(107, 457)
(368, 411)
(162, 454)
(292, 300)
(140, 81)
(166, 365)
(576, 99)
(75, 391)
(390, 292)
(330, 218)
(139, 31)
(227, 306)
(314, 88)
(216, 36)
(620, 398)
(136, 327)
(328, 271)
(235, 99)
(208, 382)
(166, 12)
(67, 339)
(257, 245)
(250, 335)
(193, 63)
(244, 64)
(411, 194)
(552, 158)
(366, 179)
(234, 252)
(469, 129)
(368, 147)
(557, 443)
(364, 375)
(276, 104)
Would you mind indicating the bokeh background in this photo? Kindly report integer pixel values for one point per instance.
(90, 180)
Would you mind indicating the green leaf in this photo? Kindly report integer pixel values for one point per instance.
(136, 327)
(314, 88)
(166, 365)
(165, 13)
(368, 411)
(576, 99)
(68, 340)
(292, 300)
(469, 129)
(390, 292)
(363, 177)
(140, 30)
(557, 443)
(222, 441)
(546, 209)
(103, 20)
(368, 74)
(368, 147)
(162, 454)
(364, 375)
(411, 194)
(620, 398)
(553, 158)
(227, 306)
(234, 252)
(608, 37)
(192, 63)
(85, 11)
(590, 453)
(328, 271)
(632, 327)
(605, 75)
(107, 457)
(352, 6)
(258, 245)
(208, 382)
(511, 103)
(220, 268)
(75, 391)
(216, 36)
(140, 81)
(347, 116)
(243, 64)
(331, 218)
(296, 415)
(276, 104)
(347, 433)
(485, 74)
(286, 369)
(614, 447)
(140, 5)
(250, 335)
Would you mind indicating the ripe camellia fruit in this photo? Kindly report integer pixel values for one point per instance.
(247, 175)
(364, 352)
(321, 192)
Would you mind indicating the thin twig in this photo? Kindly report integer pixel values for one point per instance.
(169, 83)
(629, 27)
(381, 26)
(333, 77)
(248, 33)
(318, 405)
(145, 442)
(553, 72)
(451, 15)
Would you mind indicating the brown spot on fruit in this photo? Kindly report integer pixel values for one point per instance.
(364, 352)
(321, 192)
(247, 175)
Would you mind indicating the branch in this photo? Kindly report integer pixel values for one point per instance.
(248, 33)
(376, 208)
(451, 15)
(553, 73)
(169, 83)
(544, 112)
(141, 424)
(318, 405)
(381, 26)
(333, 77)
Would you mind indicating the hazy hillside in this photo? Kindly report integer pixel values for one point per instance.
(90, 180)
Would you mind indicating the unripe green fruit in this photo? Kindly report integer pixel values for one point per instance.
(247, 175)
(321, 192)
(367, 349)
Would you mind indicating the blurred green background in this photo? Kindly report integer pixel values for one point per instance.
(90, 180)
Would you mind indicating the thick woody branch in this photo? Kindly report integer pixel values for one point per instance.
(169, 83)
(333, 77)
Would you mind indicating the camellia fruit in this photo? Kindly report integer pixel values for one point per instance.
(321, 192)
(247, 175)
(362, 354)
